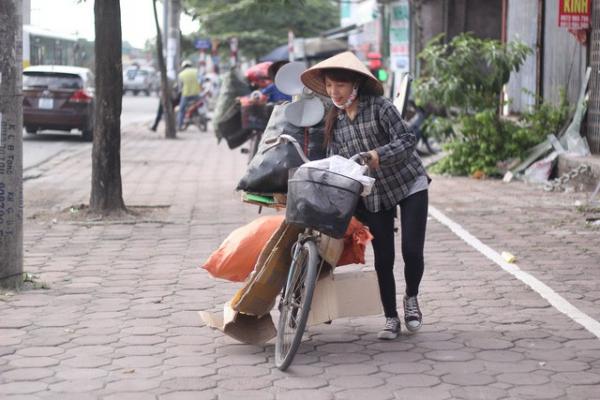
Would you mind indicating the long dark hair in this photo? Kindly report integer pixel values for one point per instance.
(337, 75)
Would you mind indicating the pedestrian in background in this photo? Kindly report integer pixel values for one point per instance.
(363, 121)
(176, 98)
(190, 89)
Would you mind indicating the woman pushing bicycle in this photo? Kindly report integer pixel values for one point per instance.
(365, 121)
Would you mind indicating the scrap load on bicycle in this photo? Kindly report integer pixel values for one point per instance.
(322, 197)
(245, 104)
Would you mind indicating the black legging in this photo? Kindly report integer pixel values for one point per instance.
(413, 218)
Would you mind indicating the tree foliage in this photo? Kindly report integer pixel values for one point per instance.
(468, 72)
(261, 25)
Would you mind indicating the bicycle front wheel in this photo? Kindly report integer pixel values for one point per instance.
(295, 303)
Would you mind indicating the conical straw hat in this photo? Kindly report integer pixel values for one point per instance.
(313, 79)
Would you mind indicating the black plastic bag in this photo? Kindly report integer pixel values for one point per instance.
(268, 171)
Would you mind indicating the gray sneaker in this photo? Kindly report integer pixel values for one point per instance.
(413, 318)
(391, 330)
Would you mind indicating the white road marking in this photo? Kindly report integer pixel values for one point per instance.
(535, 284)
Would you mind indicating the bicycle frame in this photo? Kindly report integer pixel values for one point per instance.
(308, 234)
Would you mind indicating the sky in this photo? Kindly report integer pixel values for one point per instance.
(75, 18)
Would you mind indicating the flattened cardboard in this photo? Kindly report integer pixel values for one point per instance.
(257, 297)
(331, 249)
(344, 294)
(244, 328)
(337, 295)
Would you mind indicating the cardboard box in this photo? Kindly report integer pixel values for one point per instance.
(257, 297)
(337, 295)
(244, 328)
(345, 293)
(342, 294)
(330, 249)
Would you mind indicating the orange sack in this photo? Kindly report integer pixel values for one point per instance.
(235, 259)
(237, 255)
(355, 242)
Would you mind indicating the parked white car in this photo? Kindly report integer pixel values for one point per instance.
(140, 79)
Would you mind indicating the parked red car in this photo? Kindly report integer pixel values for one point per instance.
(58, 97)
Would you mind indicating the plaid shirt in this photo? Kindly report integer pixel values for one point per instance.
(378, 126)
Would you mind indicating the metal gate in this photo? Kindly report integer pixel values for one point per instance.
(521, 24)
(593, 119)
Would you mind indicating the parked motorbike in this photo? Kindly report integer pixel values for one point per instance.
(197, 113)
(416, 117)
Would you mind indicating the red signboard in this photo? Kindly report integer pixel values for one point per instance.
(574, 14)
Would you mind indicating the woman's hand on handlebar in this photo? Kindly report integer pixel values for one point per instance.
(371, 159)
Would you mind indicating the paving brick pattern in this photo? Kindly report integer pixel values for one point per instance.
(119, 321)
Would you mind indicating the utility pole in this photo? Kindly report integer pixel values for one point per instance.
(384, 15)
(165, 85)
(165, 29)
(11, 144)
(173, 44)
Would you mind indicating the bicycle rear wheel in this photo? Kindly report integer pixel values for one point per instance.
(295, 303)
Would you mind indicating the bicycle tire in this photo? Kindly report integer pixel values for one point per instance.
(201, 123)
(301, 283)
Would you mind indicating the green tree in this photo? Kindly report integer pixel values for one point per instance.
(261, 25)
(11, 145)
(468, 72)
(107, 194)
(465, 77)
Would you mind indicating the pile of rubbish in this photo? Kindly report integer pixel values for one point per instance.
(537, 167)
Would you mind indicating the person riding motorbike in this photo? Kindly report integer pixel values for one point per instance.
(271, 91)
(190, 89)
(197, 112)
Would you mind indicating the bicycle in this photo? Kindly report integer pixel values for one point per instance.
(297, 293)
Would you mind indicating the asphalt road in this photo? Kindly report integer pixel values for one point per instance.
(43, 146)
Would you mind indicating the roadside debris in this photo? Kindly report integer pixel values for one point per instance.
(508, 257)
(537, 167)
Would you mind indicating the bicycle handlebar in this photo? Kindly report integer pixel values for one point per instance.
(362, 158)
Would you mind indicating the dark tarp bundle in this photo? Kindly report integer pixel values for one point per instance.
(227, 119)
(312, 139)
(268, 170)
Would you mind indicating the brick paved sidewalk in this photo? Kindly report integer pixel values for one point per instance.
(119, 320)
